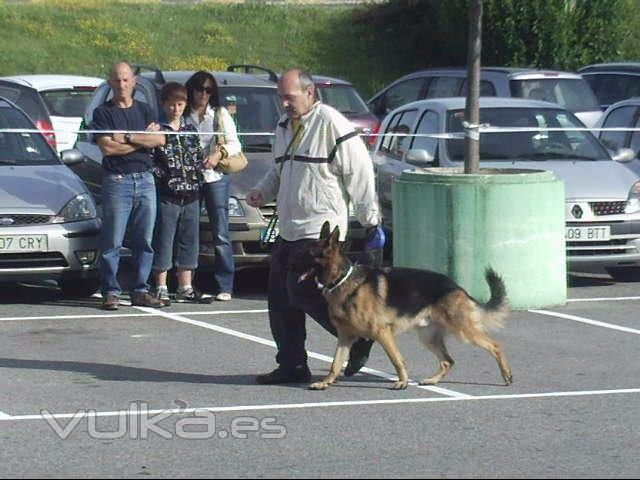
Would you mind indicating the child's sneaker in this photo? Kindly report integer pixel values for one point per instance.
(189, 295)
(162, 294)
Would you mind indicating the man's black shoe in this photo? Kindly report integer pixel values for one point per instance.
(300, 374)
(358, 356)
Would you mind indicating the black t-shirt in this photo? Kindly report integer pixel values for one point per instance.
(135, 118)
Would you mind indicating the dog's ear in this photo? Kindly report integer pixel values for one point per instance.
(326, 231)
(335, 236)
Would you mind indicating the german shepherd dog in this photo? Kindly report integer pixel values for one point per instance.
(379, 303)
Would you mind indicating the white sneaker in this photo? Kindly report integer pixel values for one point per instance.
(223, 297)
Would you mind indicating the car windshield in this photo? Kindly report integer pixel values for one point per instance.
(22, 148)
(67, 103)
(539, 144)
(573, 94)
(343, 98)
(255, 110)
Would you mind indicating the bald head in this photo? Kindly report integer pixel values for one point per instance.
(297, 92)
(119, 68)
(122, 81)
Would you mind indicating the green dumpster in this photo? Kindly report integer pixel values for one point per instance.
(458, 224)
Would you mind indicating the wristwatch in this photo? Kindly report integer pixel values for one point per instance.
(127, 137)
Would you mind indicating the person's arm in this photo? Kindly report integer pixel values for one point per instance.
(232, 143)
(356, 168)
(141, 140)
(231, 146)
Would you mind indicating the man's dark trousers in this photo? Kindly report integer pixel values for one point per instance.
(288, 303)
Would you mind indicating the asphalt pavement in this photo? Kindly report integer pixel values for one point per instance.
(171, 393)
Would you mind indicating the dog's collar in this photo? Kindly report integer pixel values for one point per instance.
(343, 278)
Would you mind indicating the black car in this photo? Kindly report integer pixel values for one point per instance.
(612, 82)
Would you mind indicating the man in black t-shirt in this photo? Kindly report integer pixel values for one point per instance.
(128, 187)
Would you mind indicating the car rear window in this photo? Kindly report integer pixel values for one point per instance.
(67, 102)
(343, 98)
(26, 98)
(22, 148)
(255, 110)
(573, 94)
(611, 87)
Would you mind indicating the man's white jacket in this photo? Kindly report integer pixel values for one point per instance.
(314, 177)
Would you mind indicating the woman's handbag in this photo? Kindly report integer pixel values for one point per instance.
(231, 163)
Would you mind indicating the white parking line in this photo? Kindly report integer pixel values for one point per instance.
(270, 343)
(5, 416)
(153, 313)
(587, 321)
(602, 299)
(293, 406)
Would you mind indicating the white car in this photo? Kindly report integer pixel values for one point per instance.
(66, 97)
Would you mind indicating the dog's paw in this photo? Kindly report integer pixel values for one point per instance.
(400, 385)
(429, 381)
(319, 386)
(508, 379)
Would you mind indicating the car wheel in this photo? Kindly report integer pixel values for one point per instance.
(76, 287)
(625, 274)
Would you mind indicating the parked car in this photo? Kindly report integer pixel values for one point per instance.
(612, 82)
(48, 223)
(567, 89)
(29, 100)
(66, 98)
(336, 92)
(254, 103)
(618, 123)
(602, 195)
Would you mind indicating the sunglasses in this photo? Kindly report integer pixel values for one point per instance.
(208, 90)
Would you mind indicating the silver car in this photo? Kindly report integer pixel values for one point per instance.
(602, 195)
(48, 223)
(567, 89)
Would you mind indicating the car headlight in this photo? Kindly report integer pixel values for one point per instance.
(81, 207)
(235, 209)
(633, 201)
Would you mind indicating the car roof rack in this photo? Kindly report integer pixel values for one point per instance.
(273, 76)
(138, 67)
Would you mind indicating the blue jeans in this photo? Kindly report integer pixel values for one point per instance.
(176, 236)
(216, 197)
(128, 202)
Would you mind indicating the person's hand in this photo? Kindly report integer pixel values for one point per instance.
(153, 127)
(213, 159)
(372, 253)
(118, 137)
(376, 238)
(254, 198)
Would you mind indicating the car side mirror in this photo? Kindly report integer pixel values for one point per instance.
(72, 156)
(624, 155)
(419, 155)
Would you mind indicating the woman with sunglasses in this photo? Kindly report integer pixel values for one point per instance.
(202, 103)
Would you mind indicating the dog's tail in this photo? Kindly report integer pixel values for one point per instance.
(497, 308)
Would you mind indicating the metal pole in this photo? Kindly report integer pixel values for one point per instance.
(472, 109)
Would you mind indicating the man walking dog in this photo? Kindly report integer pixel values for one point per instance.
(320, 164)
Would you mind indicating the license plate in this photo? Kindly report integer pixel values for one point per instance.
(23, 243)
(587, 234)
